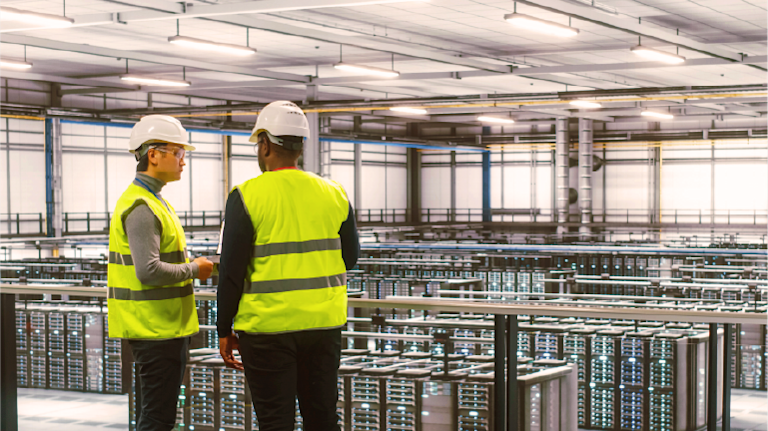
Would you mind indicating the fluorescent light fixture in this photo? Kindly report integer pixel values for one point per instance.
(657, 115)
(585, 104)
(42, 19)
(657, 55)
(540, 26)
(367, 70)
(207, 45)
(148, 80)
(406, 110)
(485, 119)
(14, 64)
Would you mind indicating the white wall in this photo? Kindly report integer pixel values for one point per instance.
(22, 173)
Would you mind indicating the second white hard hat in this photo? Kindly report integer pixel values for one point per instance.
(158, 128)
(282, 119)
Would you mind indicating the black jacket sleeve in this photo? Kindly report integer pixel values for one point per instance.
(350, 242)
(236, 248)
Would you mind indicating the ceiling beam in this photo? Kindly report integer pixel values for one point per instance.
(148, 58)
(592, 15)
(264, 6)
(32, 76)
(95, 90)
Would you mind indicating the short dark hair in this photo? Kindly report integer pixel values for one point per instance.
(144, 160)
(281, 151)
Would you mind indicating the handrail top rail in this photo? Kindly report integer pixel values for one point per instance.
(689, 316)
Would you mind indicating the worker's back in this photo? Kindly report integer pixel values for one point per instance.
(297, 277)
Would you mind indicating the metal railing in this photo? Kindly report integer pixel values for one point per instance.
(672, 216)
(87, 222)
(506, 406)
(22, 224)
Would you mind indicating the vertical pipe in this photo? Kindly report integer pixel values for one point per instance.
(106, 174)
(585, 175)
(311, 154)
(499, 382)
(712, 379)
(8, 165)
(9, 415)
(561, 173)
(533, 185)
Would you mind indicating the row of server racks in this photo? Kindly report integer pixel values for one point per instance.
(387, 391)
(66, 347)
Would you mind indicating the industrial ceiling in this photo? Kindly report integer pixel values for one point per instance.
(458, 59)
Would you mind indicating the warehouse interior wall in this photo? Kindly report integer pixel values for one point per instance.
(698, 179)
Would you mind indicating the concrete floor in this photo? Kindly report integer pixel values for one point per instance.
(44, 410)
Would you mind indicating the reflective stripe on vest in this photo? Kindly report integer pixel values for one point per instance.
(273, 286)
(297, 278)
(151, 294)
(126, 259)
(274, 249)
(136, 310)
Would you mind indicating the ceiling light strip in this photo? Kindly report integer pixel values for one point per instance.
(207, 45)
(14, 64)
(486, 119)
(657, 55)
(537, 25)
(42, 19)
(148, 80)
(409, 110)
(367, 70)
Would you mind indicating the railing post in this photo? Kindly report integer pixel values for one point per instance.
(699, 215)
(428, 220)
(18, 224)
(627, 215)
(675, 215)
(40, 221)
(88, 222)
(203, 218)
(729, 216)
(66, 222)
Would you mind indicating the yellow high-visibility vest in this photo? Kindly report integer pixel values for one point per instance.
(296, 278)
(136, 310)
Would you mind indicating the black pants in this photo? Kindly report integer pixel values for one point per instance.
(282, 367)
(161, 366)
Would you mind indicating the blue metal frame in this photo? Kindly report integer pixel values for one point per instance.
(49, 177)
(486, 186)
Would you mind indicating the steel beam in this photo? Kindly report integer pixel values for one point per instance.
(590, 14)
(148, 58)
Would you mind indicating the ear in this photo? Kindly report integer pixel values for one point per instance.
(268, 148)
(154, 156)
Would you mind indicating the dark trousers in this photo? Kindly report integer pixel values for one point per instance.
(161, 366)
(282, 367)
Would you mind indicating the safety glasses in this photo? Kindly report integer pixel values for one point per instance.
(179, 153)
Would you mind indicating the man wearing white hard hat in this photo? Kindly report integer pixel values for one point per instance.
(289, 238)
(149, 278)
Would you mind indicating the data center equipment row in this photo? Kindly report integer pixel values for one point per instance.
(388, 391)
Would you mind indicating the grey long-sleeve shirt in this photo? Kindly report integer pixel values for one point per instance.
(144, 231)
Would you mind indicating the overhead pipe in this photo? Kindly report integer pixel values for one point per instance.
(585, 175)
(562, 178)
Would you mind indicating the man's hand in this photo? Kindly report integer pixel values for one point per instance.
(205, 268)
(226, 346)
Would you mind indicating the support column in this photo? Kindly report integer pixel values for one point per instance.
(453, 186)
(585, 175)
(53, 186)
(226, 162)
(312, 146)
(562, 173)
(413, 161)
(654, 189)
(358, 178)
(9, 414)
(486, 178)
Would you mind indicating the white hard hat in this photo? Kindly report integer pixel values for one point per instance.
(285, 124)
(158, 128)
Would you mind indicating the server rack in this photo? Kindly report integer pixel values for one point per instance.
(605, 394)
